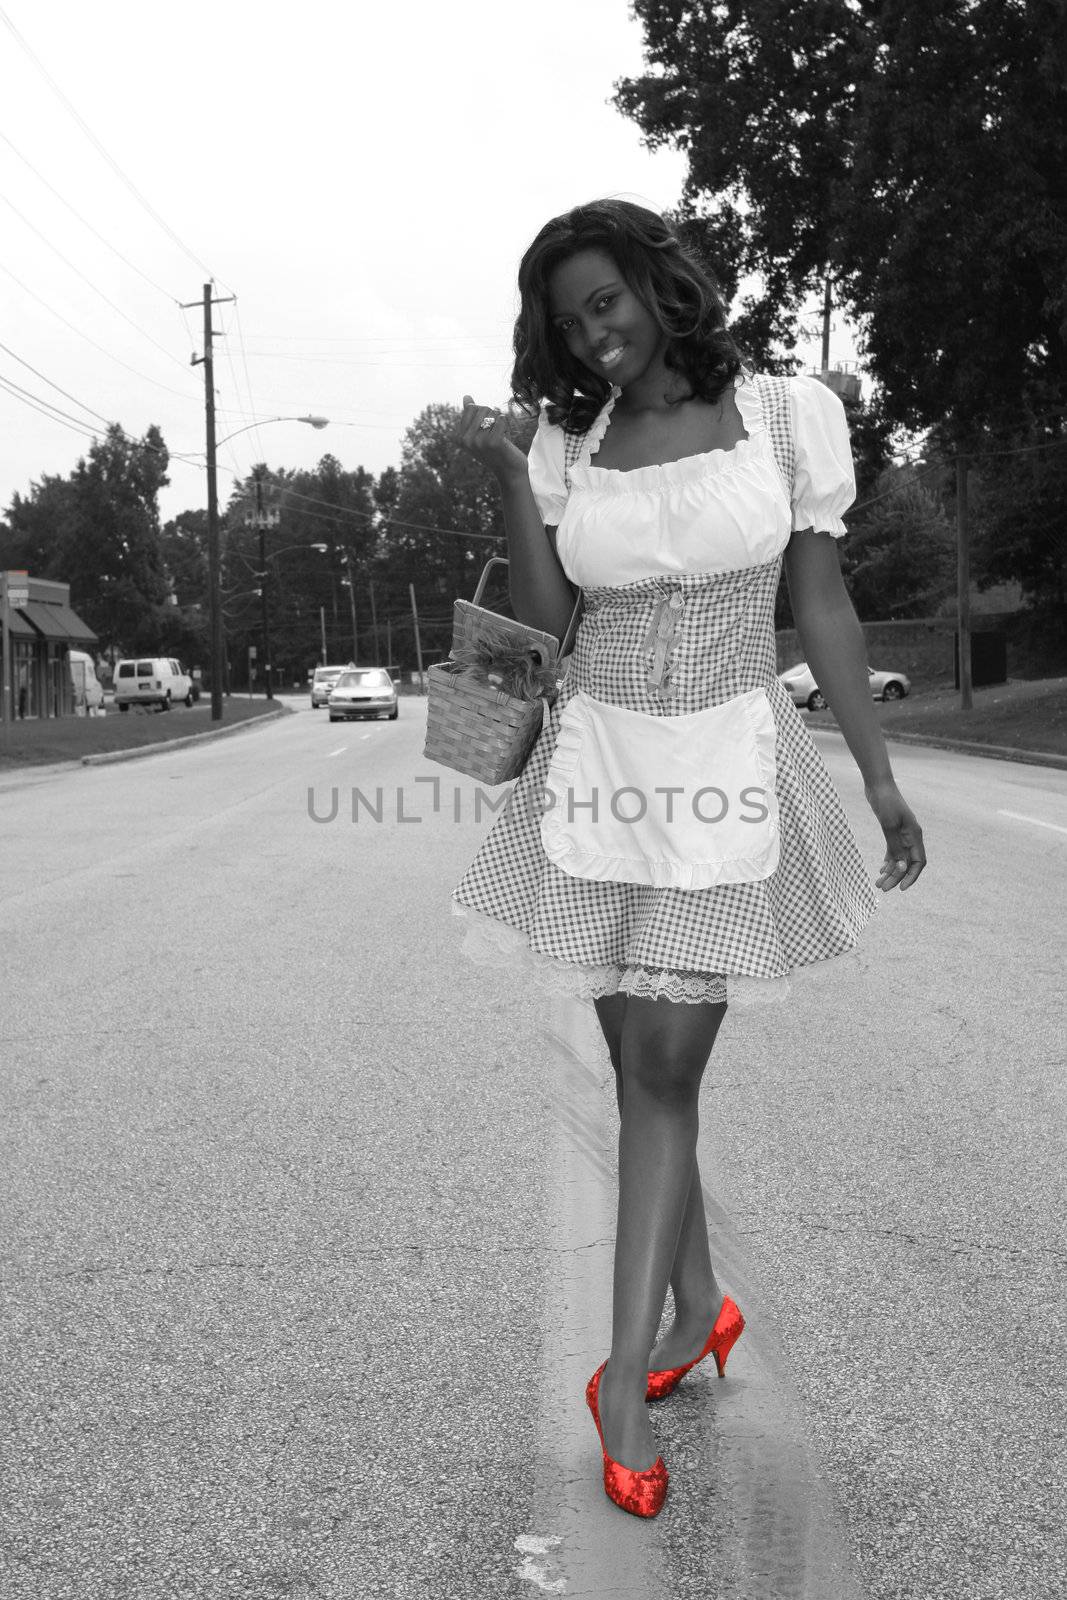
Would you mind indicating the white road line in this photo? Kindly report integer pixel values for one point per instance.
(341, 748)
(1019, 816)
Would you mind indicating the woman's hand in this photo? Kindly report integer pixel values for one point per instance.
(905, 857)
(491, 446)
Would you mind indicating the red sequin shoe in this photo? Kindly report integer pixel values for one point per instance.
(641, 1493)
(723, 1336)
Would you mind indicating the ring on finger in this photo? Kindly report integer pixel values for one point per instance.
(486, 423)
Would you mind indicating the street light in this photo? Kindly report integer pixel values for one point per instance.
(312, 422)
(218, 650)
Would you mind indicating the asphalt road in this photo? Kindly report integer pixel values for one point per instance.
(307, 1220)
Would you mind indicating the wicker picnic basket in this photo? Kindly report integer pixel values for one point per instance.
(473, 725)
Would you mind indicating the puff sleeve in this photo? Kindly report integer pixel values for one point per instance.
(825, 485)
(546, 467)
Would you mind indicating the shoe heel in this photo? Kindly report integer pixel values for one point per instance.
(722, 1350)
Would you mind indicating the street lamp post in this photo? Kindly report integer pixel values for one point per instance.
(213, 557)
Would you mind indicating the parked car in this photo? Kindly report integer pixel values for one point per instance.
(88, 690)
(800, 682)
(323, 681)
(364, 692)
(152, 681)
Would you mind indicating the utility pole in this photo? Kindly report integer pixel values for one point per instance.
(963, 584)
(374, 625)
(418, 641)
(264, 517)
(214, 580)
(352, 602)
(827, 307)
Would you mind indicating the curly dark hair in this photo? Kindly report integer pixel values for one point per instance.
(665, 276)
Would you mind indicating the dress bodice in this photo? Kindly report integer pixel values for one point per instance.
(716, 512)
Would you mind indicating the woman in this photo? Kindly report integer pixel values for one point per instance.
(691, 839)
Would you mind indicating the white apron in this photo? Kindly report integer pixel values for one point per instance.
(682, 802)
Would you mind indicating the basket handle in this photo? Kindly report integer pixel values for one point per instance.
(572, 626)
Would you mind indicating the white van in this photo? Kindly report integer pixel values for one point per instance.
(88, 690)
(152, 681)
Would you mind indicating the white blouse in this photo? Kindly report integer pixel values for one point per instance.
(714, 512)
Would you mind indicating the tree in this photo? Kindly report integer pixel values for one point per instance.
(38, 527)
(99, 531)
(183, 544)
(442, 494)
(1020, 518)
(915, 154)
(900, 560)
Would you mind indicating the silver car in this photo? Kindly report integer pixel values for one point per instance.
(801, 685)
(363, 692)
(322, 684)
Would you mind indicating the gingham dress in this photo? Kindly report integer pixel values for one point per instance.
(727, 514)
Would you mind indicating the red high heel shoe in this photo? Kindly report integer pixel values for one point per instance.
(721, 1340)
(641, 1493)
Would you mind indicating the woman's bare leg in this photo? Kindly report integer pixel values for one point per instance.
(664, 1049)
(696, 1292)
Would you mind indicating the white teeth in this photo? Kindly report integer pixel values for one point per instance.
(609, 358)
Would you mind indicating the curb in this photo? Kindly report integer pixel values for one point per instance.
(106, 757)
(970, 747)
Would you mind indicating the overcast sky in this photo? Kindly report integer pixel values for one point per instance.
(364, 177)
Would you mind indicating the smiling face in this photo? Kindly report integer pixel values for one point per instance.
(601, 321)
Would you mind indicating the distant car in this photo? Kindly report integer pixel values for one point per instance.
(800, 683)
(152, 681)
(364, 692)
(323, 682)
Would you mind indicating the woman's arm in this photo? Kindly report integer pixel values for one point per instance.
(540, 592)
(835, 650)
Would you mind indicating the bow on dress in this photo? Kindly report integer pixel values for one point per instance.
(660, 639)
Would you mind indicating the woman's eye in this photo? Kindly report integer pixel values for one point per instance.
(606, 301)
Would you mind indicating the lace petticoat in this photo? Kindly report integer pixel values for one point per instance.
(491, 942)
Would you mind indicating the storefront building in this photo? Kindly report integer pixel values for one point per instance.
(38, 630)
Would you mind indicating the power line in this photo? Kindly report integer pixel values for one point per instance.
(335, 422)
(95, 142)
(379, 338)
(972, 455)
(246, 416)
(1023, 450)
(340, 361)
(340, 513)
(56, 386)
(388, 521)
(56, 414)
(85, 222)
(897, 488)
(53, 413)
(82, 335)
(106, 299)
(244, 362)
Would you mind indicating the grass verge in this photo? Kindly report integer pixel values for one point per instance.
(1029, 714)
(33, 744)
